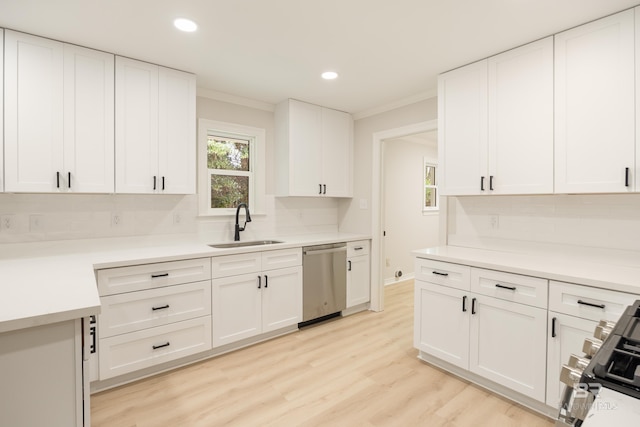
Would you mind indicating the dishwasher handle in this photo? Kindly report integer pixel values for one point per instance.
(324, 251)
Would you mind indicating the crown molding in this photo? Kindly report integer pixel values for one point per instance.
(395, 104)
(234, 99)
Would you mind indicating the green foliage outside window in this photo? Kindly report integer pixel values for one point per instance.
(228, 162)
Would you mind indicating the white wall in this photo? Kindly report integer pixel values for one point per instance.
(407, 227)
(81, 216)
(589, 221)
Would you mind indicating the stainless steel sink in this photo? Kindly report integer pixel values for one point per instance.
(243, 244)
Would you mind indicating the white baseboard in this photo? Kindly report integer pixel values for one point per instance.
(393, 280)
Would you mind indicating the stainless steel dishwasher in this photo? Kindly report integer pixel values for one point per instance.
(324, 283)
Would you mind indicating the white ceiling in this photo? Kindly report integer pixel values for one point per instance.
(388, 52)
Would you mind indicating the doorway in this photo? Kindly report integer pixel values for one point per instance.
(377, 212)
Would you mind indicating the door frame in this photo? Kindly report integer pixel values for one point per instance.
(377, 211)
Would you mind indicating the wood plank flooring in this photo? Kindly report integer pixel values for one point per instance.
(360, 370)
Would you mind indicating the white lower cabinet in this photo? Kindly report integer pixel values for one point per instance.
(255, 293)
(485, 333)
(358, 273)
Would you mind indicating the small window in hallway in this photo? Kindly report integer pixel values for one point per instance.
(430, 200)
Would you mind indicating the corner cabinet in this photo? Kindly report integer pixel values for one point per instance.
(59, 116)
(155, 129)
(314, 151)
(496, 124)
(595, 106)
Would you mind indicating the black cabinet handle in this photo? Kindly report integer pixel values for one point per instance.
(266, 281)
(473, 306)
(440, 274)
(591, 304)
(259, 282)
(162, 307)
(92, 333)
(324, 188)
(359, 248)
(553, 327)
(349, 268)
(154, 182)
(163, 183)
(626, 177)
(320, 192)
(482, 183)
(69, 183)
(464, 304)
(167, 344)
(511, 288)
(491, 182)
(58, 179)
(155, 276)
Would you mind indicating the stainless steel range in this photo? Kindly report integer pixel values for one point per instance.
(603, 386)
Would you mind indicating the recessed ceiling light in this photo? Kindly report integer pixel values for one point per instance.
(184, 24)
(329, 75)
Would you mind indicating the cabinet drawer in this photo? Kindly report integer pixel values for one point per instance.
(587, 302)
(231, 265)
(443, 273)
(511, 287)
(147, 276)
(282, 258)
(154, 307)
(361, 247)
(130, 352)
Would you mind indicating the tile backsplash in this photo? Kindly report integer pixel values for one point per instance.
(610, 221)
(49, 217)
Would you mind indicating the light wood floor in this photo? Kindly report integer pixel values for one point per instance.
(356, 371)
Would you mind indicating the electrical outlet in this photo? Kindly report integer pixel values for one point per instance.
(7, 222)
(36, 223)
(116, 219)
(494, 222)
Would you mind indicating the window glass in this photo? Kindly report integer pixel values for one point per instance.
(228, 191)
(430, 201)
(228, 154)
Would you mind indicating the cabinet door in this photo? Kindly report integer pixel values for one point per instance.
(565, 337)
(441, 323)
(88, 120)
(136, 127)
(33, 112)
(2, 110)
(236, 308)
(281, 298)
(594, 106)
(358, 282)
(305, 149)
(508, 344)
(520, 116)
(337, 153)
(462, 130)
(177, 133)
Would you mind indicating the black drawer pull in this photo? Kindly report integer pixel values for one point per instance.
(464, 304)
(155, 276)
(259, 282)
(626, 177)
(511, 288)
(167, 344)
(359, 248)
(491, 182)
(154, 183)
(482, 183)
(162, 307)
(553, 327)
(591, 304)
(349, 265)
(473, 306)
(266, 281)
(440, 274)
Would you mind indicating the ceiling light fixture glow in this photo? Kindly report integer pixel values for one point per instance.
(329, 75)
(184, 24)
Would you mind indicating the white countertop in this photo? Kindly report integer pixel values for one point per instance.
(51, 282)
(602, 269)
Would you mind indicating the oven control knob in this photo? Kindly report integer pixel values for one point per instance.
(607, 324)
(591, 346)
(570, 375)
(602, 332)
(579, 363)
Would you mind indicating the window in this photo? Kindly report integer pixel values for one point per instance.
(231, 167)
(430, 201)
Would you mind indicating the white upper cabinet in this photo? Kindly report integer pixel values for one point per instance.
(59, 117)
(462, 130)
(155, 129)
(314, 150)
(520, 129)
(595, 106)
(496, 124)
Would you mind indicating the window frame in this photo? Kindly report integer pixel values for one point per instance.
(256, 138)
(429, 209)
